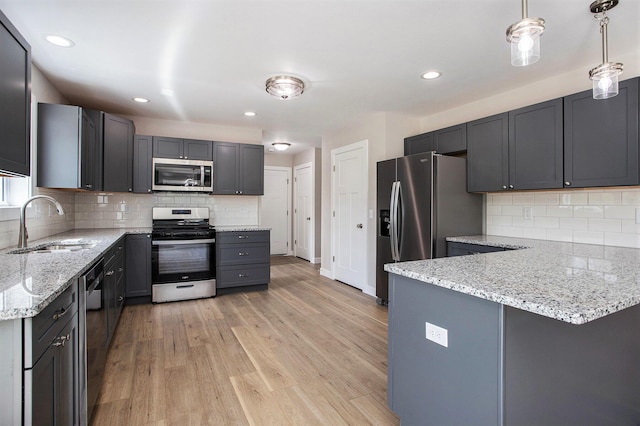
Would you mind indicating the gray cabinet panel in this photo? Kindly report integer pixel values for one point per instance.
(226, 157)
(142, 164)
(429, 384)
(15, 100)
(236, 254)
(601, 138)
(251, 170)
(242, 258)
(419, 143)
(488, 154)
(118, 153)
(535, 146)
(197, 149)
(67, 148)
(164, 147)
(138, 265)
(451, 140)
(237, 276)
(242, 237)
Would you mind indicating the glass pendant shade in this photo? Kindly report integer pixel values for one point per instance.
(524, 37)
(605, 80)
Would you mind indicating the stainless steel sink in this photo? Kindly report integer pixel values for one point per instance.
(56, 247)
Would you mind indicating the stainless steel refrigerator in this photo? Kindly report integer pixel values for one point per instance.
(422, 199)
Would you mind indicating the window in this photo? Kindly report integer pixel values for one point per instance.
(3, 201)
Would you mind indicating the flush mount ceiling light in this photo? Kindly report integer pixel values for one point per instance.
(140, 100)
(430, 75)
(58, 40)
(605, 75)
(281, 146)
(524, 37)
(284, 87)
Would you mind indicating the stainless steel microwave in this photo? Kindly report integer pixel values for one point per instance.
(182, 175)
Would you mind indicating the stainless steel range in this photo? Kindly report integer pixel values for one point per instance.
(183, 254)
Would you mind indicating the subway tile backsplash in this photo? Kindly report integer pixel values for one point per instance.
(608, 216)
(121, 210)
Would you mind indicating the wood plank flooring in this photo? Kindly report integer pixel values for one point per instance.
(308, 351)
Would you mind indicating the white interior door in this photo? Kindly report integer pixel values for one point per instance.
(349, 234)
(303, 211)
(275, 205)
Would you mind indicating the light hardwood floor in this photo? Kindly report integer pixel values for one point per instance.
(309, 351)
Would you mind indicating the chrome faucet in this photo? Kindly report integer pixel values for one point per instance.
(23, 236)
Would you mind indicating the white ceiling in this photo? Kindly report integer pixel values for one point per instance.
(355, 56)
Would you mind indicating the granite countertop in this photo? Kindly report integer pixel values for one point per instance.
(242, 228)
(30, 281)
(571, 282)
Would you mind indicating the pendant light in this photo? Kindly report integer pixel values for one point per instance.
(605, 75)
(524, 37)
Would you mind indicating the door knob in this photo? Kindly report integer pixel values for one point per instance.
(359, 226)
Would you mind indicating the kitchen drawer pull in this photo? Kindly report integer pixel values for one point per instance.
(120, 269)
(243, 237)
(185, 286)
(243, 275)
(62, 340)
(109, 273)
(59, 314)
(243, 254)
(120, 298)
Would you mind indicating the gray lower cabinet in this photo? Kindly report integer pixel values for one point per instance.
(142, 164)
(138, 265)
(52, 374)
(521, 149)
(601, 138)
(506, 366)
(242, 259)
(238, 169)
(187, 149)
(113, 285)
(464, 249)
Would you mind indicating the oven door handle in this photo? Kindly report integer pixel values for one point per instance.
(182, 242)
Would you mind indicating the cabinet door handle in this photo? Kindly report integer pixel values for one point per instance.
(510, 186)
(120, 298)
(59, 314)
(89, 186)
(567, 183)
(120, 269)
(504, 186)
(61, 341)
(109, 273)
(148, 190)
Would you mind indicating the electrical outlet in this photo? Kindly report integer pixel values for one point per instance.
(437, 334)
(526, 212)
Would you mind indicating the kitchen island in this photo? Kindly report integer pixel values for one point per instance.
(544, 334)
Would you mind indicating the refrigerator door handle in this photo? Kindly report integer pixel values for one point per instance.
(398, 217)
(394, 222)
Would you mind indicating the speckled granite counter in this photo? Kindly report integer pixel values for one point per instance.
(241, 228)
(30, 281)
(571, 282)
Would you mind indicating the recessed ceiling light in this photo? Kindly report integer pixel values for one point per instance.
(430, 75)
(59, 40)
(250, 114)
(141, 100)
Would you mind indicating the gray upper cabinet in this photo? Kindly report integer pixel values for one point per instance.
(444, 141)
(117, 140)
(142, 164)
(488, 154)
(67, 147)
(186, 149)
(521, 149)
(451, 140)
(15, 100)
(601, 138)
(419, 143)
(535, 146)
(238, 169)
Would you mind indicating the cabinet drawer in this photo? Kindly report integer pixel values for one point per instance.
(45, 326)
(236, 254)
(242, 237)
(237, 276)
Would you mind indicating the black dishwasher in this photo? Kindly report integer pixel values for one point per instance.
(95, 336)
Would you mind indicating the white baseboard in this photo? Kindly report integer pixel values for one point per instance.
(316, 260)
(326, 273)
(371, 291)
